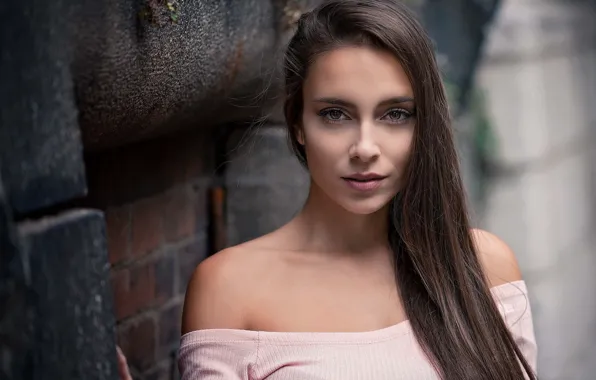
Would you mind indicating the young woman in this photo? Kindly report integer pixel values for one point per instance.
(380, 275)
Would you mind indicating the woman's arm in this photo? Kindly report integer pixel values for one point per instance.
(123, 370)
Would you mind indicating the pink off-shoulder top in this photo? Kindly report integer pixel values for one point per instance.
(387, 354)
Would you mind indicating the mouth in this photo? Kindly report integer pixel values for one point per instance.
(364, 182)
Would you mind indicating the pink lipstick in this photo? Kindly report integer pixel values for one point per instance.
(364, 181)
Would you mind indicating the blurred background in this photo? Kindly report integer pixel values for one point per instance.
(137, 137)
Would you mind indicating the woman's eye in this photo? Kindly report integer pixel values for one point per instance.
(333, 115)
(397, 115)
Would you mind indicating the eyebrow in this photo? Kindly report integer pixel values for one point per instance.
(344, 103)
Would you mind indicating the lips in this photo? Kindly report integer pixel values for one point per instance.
(364, 181)
(365, 177)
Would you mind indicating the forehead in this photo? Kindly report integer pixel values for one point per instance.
(357, 73)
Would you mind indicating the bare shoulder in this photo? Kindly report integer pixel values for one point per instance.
(218, 291)
(497, 259)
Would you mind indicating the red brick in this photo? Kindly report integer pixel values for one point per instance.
(172, 154)
(199, 157)
(134, 289)
(142, 284)
(165, 370)
(179, 215)
(189, 257)
(200, 202)
(165, 271)
(170, 321)
(137, 170)
(138, 341)
(118, 231)
(120, 288)
(147, 231)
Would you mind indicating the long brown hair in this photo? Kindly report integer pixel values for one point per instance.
(445, 293)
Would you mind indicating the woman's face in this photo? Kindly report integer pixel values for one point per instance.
(358, 124)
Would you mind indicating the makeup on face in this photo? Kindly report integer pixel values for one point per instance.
(358, 121)
(394, 110)
(364, 181)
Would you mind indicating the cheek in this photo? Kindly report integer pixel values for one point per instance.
(319, 152)
(322, 145)
(401, 148)
(405, 149)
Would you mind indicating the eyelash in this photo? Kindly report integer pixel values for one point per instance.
(324, 114)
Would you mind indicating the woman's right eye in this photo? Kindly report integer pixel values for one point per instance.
(333, 115)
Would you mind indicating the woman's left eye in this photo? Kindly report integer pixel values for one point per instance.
(397, 115)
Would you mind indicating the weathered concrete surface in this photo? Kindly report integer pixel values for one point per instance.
(115, 71)
(70, 298)
(40, 151)
(136, 78)
(56, 318)
(16, 295)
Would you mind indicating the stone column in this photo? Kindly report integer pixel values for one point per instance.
(539, 78)
(266, 185)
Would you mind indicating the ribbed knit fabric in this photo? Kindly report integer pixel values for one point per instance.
(387, 354)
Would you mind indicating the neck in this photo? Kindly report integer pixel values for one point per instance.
(325, 226)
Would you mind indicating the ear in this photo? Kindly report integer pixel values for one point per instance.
(299, 134)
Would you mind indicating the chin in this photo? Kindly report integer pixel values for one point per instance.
(363, 206)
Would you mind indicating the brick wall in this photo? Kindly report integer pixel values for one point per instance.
(154, 195)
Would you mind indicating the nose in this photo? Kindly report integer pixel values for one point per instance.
(365, 149)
